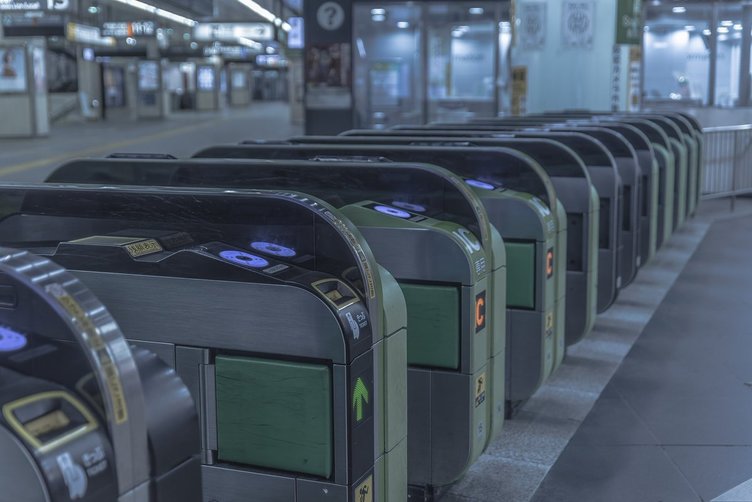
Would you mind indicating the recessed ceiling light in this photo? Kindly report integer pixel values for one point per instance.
(738, 27)
(727, 22)
(378, 12)
(689, 27)
(723, 29)
(706, 32)
(679, 10)
(403, 24)
(93, 9)
(476, 11)
(378, 18)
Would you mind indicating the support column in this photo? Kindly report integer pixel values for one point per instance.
(713, 55)
(745, 80)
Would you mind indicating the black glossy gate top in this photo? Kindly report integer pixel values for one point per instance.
(338, 183)
(498, 167)
(42, 216)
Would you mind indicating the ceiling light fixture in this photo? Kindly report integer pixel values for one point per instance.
(727, 22)
(378, 18)
(247, 42)
(706, 32)
(403, 24)
(266, 14)
(723, 29)
(738, 27)
(166, 14)
(378, 12)
(689, 27)
(476, 11)
(679, 10)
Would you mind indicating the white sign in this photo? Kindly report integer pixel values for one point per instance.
(532, 28)
(9, 5)
(296, 37)
(330, 16)
(86, 35)
(577, 24)
(230, 32)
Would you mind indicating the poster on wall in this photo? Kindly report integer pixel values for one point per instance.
(40, 69)
(519, 90)
(328, 77)
(532, 25)
(206, 78)
(577, 27)
(12, 70)
(148, 76)
(635, 79)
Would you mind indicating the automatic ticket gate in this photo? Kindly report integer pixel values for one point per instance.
(663, 156)
(604, 177)
(270, 306)
(428, 229)
(627, 166)
(692, 143)
(83, 416)
(667, 167)
(577, 235)
(682, 150)
(530, 246)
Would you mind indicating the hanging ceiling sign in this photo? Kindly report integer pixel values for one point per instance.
(227, 32)
(134, 29)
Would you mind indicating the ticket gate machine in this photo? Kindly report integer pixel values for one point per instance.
(571, 181)
(401, 210)
(663, 156)
(529, 287)
(626, 164)
(604, 177)
(83, 416)
(269, 305)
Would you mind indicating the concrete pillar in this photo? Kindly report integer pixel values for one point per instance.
(713, 55)
(745, 79)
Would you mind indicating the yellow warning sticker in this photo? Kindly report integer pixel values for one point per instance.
(364, 491)
(143, 248)
(96, 343)
(480, 389)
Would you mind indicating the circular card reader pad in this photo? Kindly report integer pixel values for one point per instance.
(273, 249)
(11, 340)
(392, 211)
(244, 259)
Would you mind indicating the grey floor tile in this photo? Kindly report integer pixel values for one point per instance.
(613, 422)
(713, 470)
(500, 480)
(614, 474)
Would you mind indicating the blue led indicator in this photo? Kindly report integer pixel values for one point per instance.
(393, 211)
(273, 249)
(244, 259)
(11, 340)
(480, 184)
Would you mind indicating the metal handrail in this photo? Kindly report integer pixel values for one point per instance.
(727, 162)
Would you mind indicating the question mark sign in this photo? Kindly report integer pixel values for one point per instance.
(332, 13)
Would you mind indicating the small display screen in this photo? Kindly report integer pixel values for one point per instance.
(48, 423)
(334, 295)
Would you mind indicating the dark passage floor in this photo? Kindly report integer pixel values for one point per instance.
(675, 421)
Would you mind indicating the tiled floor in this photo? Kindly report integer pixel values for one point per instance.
(587, 437)
(182, 134)
(675, 422)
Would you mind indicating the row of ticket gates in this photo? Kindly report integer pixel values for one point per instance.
(346, 318)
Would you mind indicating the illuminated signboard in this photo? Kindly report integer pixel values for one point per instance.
(134, 29)
(208, 32)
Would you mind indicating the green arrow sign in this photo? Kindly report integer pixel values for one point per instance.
(360, 394)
